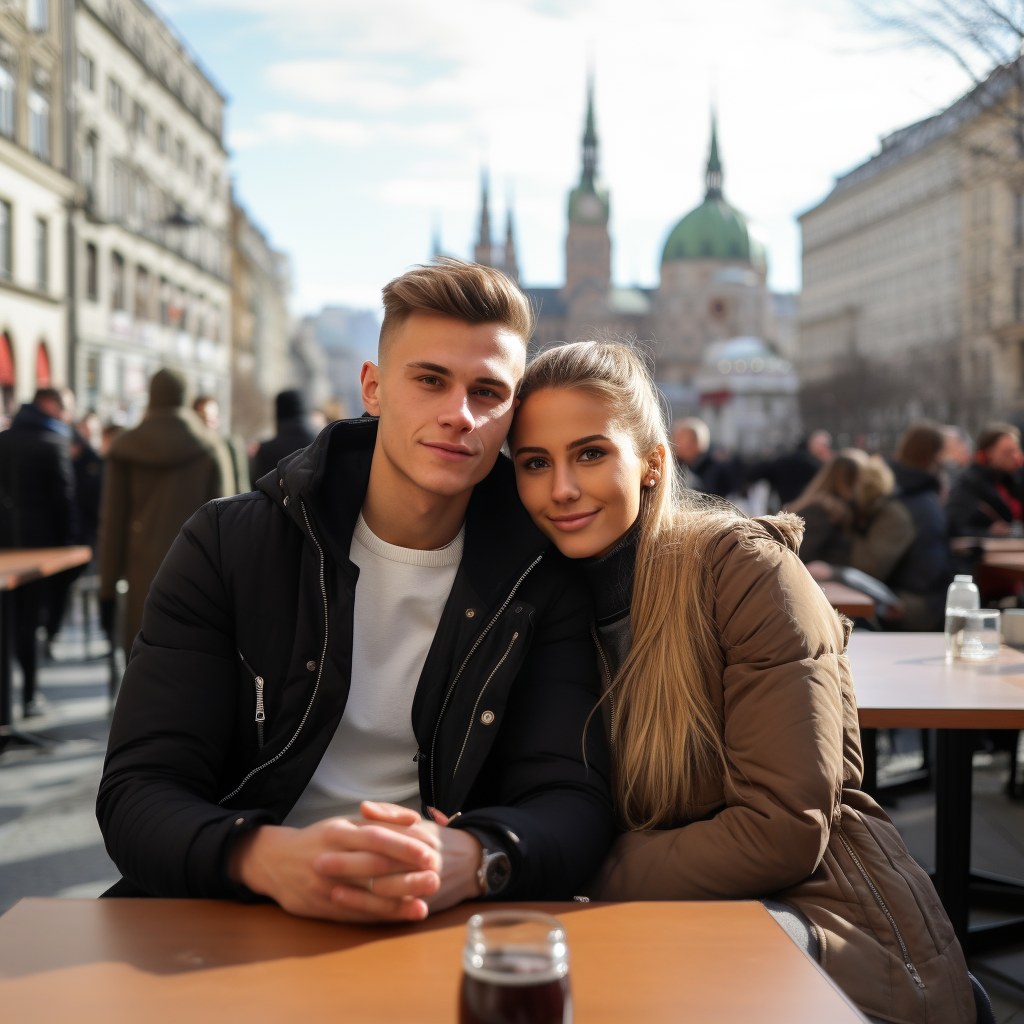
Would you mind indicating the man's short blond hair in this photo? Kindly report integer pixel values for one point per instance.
(460, 290)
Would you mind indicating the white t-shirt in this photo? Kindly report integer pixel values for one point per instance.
(400, 595)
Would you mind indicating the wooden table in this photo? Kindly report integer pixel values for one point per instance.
(19, 566)
(847, 600)
(122, 960)
(1008, 561)
(903, 680)
(987, 544)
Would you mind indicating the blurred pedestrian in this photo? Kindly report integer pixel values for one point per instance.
(207, 408)
(826, 507)
(923, 573)
(701, 471)
(987, 499)
(883, 529)
(293, 432)
(156, 477)
(37, 510)
(791, 473)
(957, 455)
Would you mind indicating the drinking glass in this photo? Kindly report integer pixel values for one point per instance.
(515, 970)
(979, 637)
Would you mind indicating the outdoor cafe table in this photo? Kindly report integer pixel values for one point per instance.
(19, 566)
(903, 680)
(172, 961)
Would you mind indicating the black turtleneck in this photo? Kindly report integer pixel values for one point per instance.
(611, 587)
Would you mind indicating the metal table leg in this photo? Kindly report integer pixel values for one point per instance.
(869, 750)
(953, 825)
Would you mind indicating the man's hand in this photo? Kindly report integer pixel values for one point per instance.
(325, 870)
(1000, 528)
(460, 851)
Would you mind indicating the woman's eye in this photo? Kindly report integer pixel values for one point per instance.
(590, 454)
(534, 464)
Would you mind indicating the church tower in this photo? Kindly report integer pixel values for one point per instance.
(511, 266)
(483, 250)
(588, 247)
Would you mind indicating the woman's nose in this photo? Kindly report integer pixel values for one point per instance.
(564, 486)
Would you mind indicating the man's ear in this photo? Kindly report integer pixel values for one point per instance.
(369, 380)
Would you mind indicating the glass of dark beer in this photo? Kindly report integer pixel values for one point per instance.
(515, 970)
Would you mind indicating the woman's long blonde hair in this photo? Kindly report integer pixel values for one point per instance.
(667, 735)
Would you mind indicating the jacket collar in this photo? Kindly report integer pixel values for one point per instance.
(331, 476)
(31, 417)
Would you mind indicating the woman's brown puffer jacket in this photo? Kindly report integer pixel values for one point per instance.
(788, 820)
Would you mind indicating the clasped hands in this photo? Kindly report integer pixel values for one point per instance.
(389, 864)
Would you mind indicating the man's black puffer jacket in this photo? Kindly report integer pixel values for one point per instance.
(261, 584)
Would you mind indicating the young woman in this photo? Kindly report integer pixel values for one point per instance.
(728, 701)
(827, 509)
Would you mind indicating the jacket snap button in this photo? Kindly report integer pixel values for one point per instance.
(286, 500)
(280, 483)
(239, 821)
(487, 717)
(519, 608)
(310, 665)
(470, 612)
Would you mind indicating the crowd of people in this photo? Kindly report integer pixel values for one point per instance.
(125, 493)
(891, 518)
(404, 670)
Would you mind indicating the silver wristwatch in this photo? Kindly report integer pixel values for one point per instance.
(494, 872)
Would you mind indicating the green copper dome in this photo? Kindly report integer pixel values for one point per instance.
(713, 231)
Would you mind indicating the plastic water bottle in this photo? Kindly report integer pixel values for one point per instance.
(963, 596)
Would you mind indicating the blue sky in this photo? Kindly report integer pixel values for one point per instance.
(354, 126)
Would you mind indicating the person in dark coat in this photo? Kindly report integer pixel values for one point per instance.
(924, 572)
(294, 431)
(700, 470)
(791, 473)
(988, 499)
(37, 510)
(827, 509)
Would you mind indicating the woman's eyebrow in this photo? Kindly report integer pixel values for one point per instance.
(585, 440)
(532, 451)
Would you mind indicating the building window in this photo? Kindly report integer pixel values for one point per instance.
(116, 280)
(38, 15)
(92, 291)
(179, 153)
(1018, 219)
(140, 118)
(119, 185)
(44, 378)
(141, 293)
(1018, 294)
(42, 254)
(115, 97)
(6, 255)
(86, 72)
(89, 170)
(7, 91)
(199, 171)
(165, 301)
(39, 124)
(161, 138)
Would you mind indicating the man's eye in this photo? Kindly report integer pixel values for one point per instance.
(430, 380)
(487, 393)
(590, 454)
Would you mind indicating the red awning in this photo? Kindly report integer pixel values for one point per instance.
(42, 366)
(6, 363)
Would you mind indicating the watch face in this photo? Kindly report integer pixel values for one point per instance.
(498, 872)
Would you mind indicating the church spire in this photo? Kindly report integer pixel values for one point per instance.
(714, 171)
(482, 250)
(589, 138)
(511, 265)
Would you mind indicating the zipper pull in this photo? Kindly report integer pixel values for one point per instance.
(913, 973)
(260, 713)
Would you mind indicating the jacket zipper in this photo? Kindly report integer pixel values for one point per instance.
(261, 715)
(320, 671)
(607, 693)
(907, 962)
(472, 651)
(472, 717)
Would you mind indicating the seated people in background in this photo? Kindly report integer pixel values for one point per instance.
(791, 473)
(924, 572)
(987, 498)
(378, 624)
(883, 529)
(729, 700)
(826, 507)
(294, 431)
(701, 471)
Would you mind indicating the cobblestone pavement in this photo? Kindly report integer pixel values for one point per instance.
(50, 844)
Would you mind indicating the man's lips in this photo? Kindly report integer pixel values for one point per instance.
(450, 452)
(573, 521)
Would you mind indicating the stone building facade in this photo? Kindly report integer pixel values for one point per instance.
(152, 257)
(36, 192)
(913, 278)
(261, 327)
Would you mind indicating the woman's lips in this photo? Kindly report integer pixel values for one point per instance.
(567, 524)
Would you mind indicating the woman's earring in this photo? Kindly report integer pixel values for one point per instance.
(653, 481)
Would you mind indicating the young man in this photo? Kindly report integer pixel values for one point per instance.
(379, 621)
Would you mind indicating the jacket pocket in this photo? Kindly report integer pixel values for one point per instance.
(261, 714)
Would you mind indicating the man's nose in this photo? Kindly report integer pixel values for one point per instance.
(456, 412)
